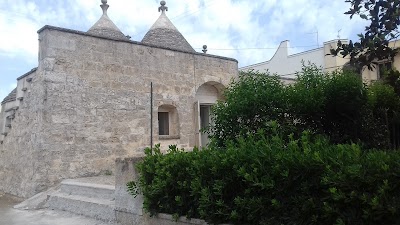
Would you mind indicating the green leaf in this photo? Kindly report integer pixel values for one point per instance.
(363, 16)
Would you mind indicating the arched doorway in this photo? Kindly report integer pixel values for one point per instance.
(206, 96)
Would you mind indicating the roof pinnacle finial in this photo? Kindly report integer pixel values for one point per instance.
(204, 49)
(104, 6)
(163, 8)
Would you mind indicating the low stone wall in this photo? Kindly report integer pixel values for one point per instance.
(129, 209)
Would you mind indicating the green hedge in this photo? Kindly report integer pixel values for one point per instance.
(337, 105)
(265, 180)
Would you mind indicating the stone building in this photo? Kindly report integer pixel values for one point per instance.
(286, 65)
(377, 72)
(96, 96)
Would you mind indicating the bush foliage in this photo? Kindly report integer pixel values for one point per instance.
(297, 154)
(336, 104)
(264, 179)
(251, 103)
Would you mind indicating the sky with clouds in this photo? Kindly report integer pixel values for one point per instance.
(248, 30)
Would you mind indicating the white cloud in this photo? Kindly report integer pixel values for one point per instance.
(17, 37)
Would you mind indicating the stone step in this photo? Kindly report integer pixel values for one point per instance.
(100, 209)
(90, 190)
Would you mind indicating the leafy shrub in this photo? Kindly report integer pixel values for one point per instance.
(329, 103)
(251, 102)
(382, 96)
(337, 105)
(385, 106)
(263, 179)
(392, 78)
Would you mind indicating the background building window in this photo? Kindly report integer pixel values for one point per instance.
(383, 68)
(163, 123)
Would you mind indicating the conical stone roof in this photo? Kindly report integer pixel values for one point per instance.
(164, 34)
(105, 27)
(10, 97)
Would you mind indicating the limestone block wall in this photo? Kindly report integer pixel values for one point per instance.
(21, 167)
(104, 88)
(2, 121)
(7, 112)
(24, 84)
(90, 103)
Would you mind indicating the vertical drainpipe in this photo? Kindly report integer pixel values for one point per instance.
(151, 115)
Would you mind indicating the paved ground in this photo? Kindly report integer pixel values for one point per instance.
(10, 216)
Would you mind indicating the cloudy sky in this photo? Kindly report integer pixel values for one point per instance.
(248, 30)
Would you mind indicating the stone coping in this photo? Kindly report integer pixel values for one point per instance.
(168, 137)
(27, 74)
(48, 27)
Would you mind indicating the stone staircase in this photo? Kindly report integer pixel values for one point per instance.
(91, 197)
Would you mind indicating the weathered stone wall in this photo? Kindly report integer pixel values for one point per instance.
(21, 166)
(2, 121)
(91, 104)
